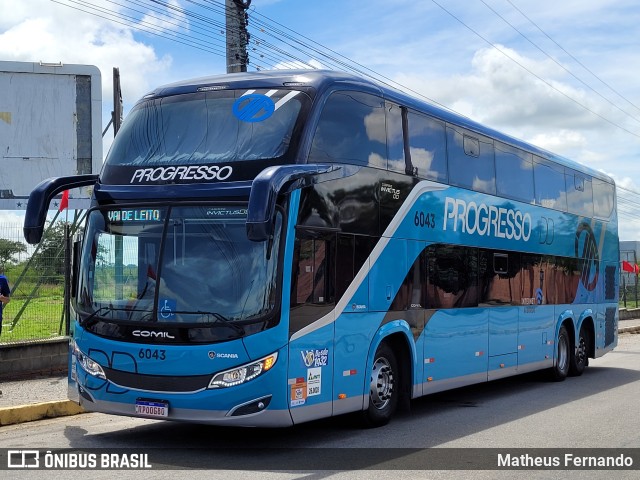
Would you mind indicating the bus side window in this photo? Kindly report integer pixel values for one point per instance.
(412, 294)
(395, 140)
(514, 173)
(603, 198)
(312, 288)
(452, 276)
(550, 185)
(499, 274)
(311, 279)
(427, 146)
(579, 193)
(351, 129)
(471, 160)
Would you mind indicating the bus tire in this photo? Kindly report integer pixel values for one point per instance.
(384, 388)
(560, 369)
(580, 354)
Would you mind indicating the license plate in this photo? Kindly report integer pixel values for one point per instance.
(152, 408)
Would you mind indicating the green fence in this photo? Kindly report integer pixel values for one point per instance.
(36, 276)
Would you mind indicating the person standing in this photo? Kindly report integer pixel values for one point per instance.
(5, 293)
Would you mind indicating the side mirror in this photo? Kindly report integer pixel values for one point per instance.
(266, 187)
(41, 196)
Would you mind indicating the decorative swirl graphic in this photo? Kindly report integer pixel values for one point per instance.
(587, 250)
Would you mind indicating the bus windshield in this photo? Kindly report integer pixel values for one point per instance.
(207, 127)
(176, 265)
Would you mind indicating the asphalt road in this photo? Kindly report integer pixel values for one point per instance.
(597, 410)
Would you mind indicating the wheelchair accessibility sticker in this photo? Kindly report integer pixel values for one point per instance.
(167, 310)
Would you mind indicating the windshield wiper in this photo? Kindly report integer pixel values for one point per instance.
(93, 318)
(223, 320)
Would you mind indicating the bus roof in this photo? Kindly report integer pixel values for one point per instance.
(320, 80)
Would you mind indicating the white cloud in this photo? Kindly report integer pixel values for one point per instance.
(40, 30)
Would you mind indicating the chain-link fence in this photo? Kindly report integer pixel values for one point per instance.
(629, 290)
(37, 277)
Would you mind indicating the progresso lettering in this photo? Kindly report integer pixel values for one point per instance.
(192, 172)
(486, 220)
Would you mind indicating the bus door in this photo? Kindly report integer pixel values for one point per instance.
(500, 280)
(311, 326)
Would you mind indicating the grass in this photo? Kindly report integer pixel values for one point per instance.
(39, 320)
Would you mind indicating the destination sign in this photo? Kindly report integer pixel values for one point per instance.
(135, 215)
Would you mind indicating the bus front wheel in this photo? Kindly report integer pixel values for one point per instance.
(384, 387)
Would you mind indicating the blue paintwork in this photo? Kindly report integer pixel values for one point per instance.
(333, 356)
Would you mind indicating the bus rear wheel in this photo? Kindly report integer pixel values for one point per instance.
(563, 355)
(384, 387)
(580, 354)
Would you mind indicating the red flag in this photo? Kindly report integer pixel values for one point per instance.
(627, 267)
(64, 203)
(150, 273)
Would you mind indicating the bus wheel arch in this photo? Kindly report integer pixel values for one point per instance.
(389, 381)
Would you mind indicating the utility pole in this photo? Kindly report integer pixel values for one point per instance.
(237, 35)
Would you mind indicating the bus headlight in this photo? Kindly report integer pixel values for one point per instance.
(91, 367)
(243, 373)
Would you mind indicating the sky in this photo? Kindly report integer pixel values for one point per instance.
(560, 75)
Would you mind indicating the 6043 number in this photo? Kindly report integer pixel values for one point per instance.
(152, 354)
(423, 219)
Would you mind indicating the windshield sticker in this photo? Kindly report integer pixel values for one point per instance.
(168, 309)
(225, 212)
(254, 107)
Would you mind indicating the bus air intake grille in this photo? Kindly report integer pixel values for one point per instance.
(610, 283)
(157, 383)
(609, 326)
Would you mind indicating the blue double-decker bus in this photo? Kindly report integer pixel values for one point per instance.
(265, 249)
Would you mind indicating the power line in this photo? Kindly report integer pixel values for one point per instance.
(558, 63)
(534, 74)
(574, 58)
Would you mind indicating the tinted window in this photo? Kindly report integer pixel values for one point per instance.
(514, 173)
(427, 145)
(452, 276)
(202, 127)
(395, 141)
(351, 129)
(411, 294)
(549, 185)
(579, 193)
(499, 278)
(603, 198)
(471, 163)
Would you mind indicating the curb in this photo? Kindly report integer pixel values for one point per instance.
(38, 411)
(629, 330)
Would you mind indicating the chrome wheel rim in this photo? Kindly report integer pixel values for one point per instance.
(563, 354)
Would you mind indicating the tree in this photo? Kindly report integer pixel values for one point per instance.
(49, 260)
(8, 249)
